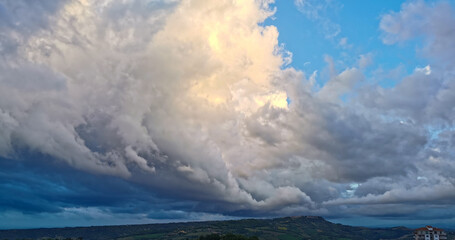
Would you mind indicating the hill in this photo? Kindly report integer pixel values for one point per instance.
(288, 228)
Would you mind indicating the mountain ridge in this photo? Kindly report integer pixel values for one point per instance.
(286, 228)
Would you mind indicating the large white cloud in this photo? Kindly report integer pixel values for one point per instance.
(193, 100)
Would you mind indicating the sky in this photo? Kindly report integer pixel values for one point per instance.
(149, 111)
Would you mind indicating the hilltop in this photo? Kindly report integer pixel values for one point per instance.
(288, 228)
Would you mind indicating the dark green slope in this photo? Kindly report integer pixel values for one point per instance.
(288, 228)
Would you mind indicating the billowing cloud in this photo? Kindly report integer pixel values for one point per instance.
(190, 103)
(432, 21)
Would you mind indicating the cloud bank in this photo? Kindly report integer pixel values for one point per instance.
(173, 108)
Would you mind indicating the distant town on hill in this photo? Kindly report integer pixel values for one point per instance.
(287, 228)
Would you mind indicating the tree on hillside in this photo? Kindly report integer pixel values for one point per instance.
(228, 236)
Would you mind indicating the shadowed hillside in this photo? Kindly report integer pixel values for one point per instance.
(288, 228)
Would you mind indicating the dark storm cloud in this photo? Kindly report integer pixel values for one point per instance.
(49, 188)
(36, 188)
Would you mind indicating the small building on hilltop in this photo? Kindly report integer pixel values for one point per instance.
(429, 233)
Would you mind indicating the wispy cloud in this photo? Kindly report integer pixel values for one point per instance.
(317, 11)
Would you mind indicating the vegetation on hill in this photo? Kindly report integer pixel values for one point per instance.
(228, 236)
(288, 228)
